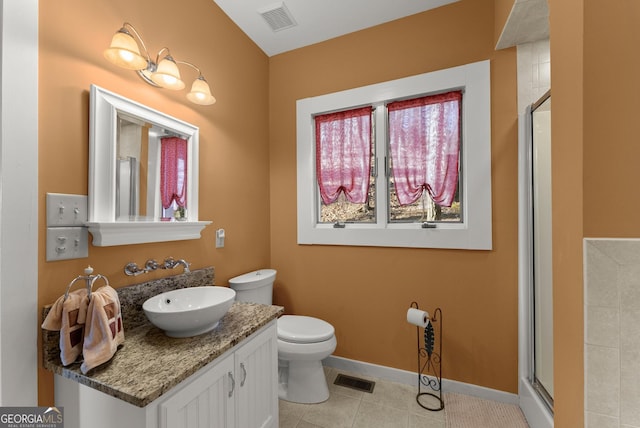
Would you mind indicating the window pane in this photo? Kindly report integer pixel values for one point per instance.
(345, 159)
(424, 153)
(343, 211)
(423, 209)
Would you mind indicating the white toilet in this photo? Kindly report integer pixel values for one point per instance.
(303, 342)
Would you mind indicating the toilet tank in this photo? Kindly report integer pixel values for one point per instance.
(254, 287)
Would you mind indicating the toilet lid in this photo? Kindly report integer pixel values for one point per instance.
(302, 329)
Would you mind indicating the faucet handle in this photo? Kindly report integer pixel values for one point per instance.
(169, 263)
(151, 265)
(132, 269)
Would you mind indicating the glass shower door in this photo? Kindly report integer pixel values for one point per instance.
(541, 233)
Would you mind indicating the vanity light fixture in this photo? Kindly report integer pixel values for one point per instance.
(161, 73)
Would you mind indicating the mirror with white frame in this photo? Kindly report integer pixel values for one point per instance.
(143, 173)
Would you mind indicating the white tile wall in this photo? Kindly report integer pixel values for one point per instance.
(534, 72)
(612, 333)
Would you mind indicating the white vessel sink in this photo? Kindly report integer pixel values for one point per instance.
(189, 311)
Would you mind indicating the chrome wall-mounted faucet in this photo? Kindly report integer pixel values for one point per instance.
(184, 263)
(132, 269)
(170, 263)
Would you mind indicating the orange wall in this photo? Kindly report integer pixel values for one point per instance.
(234, 190)
(611, 109)
(567, 133)
(365, 291)
(595, 173)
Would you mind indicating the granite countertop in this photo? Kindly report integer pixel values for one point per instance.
(151, 363)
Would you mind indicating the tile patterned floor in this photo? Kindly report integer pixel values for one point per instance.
(391, 405)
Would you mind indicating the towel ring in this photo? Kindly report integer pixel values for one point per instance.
(89, 280)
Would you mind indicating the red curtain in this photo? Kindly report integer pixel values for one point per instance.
(343, 155)
(173, 171)
(424, 144)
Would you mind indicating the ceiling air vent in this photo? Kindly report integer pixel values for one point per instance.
(278, 17)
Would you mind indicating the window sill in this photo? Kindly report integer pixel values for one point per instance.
(416, 237)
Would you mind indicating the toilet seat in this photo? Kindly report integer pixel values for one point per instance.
(304, 329)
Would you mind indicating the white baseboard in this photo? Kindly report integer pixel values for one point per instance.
(411, 378)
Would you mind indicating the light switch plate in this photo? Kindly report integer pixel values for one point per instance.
(66, 210)
(65, 243)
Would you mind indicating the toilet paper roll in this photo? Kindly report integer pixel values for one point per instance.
(417, 317)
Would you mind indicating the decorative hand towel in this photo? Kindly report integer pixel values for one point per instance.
(68, 317)
(104, 331)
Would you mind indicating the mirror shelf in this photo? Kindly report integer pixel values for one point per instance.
(125, 204)
(123, 233)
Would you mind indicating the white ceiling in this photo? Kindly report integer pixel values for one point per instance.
(317, 20)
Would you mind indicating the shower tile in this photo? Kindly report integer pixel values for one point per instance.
(602, 380)
(629, 280)
(544, 74)
(542, 50)
(601, 278)
(603, 326)
(535, 78)
(612, 376)
(629, 330)
(305, 424)
(595, 420)
(623, 251)
(630, 308)
(630, 388)
(529, 89)
(540, 91)
(525, 54)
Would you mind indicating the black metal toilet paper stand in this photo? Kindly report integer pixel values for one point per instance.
(430, 361)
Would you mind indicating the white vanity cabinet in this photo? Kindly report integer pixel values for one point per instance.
(237, 390)
(208, 401)
(256, 368)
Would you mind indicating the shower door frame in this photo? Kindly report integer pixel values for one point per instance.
(535, 407)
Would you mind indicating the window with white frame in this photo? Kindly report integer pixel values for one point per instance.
(404, 163)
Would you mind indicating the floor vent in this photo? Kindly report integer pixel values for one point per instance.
(278, 17)
(355, 383)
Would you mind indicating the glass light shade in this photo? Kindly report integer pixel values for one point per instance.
(124, 52)
(201, 93)
(167, 75)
